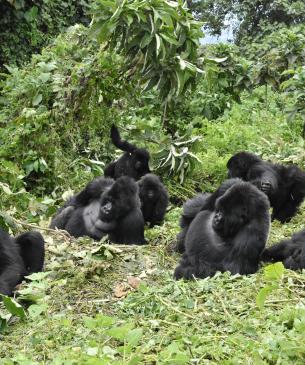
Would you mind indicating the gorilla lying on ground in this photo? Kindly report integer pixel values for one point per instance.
(154, 199)
(290, 251)
(284, 185)
(84, 207)
(228, 232)
(18, 258)
(112, 208)
(133, 163)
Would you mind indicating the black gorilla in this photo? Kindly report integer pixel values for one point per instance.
(290, 251)
(228, 232)
(133, 163)
(104, 207)
(121, 207)
(202, 201)
(84, 208)
(19, 257)
(154, 199)
(284, 185)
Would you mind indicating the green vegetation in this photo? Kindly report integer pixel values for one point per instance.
(26, 26)
(193, 107)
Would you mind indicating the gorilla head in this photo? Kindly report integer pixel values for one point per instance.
(236, 208)
(239, 164)
(119, 199)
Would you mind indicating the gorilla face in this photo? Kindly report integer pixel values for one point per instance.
(231, 214)
(107, 210)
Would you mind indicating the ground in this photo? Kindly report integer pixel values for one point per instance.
(103, 304)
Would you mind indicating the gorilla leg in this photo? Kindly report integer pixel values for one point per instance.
(32, 250)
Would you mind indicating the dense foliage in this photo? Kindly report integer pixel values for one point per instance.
(26, 26)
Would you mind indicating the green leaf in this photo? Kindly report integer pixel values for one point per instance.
(134, 336)
(13, 307)
(37, 99)
(274, 272)
(263, 293)
(36, 309)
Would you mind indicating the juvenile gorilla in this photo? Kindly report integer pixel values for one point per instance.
(228, 237)
(133, 163)
(284, 185)
(19, 257)
(154, 199)
(290, 251)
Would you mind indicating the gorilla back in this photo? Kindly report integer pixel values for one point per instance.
(284, 185)
(19, 257)
(230, 237)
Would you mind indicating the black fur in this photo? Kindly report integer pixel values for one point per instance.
(191, 207)
(133, 163)
(284, 185)
(290, 251)
(121, 206)
(154, 199)
(79, 215)
(228, 232)
(104, 207)
(19, 257)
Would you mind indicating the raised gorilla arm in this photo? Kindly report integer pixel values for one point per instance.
(133, 163)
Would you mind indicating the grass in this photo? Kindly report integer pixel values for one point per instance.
(102, 304)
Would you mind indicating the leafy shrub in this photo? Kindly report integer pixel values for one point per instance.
(57, 111)
(26, 26)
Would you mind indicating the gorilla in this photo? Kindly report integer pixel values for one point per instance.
(19, 257)
(84, 207)
(202, 201)
(154, 199)
(133, 163)
(284, 185)
(290, 251)
(224, 231)
(104, 207)
(121, 208)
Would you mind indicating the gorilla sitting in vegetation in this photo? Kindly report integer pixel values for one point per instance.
(104, 207)
(19, 257)
(290, 251)
(224, 231)
(154, 199)
(133, 163)
(284, 185)
(84, 207)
